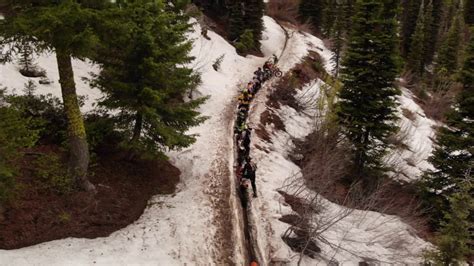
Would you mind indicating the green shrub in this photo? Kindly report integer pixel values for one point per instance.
(44, 111)
(53, 174)
(64, 217)
(217, 64)
(101, 130)
(15, 135)
(319, 67)
(246, 42)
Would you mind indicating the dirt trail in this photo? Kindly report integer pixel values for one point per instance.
(235, 238)
(254, 252)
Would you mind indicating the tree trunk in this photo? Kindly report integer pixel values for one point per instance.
(137, 130)
(76, 133)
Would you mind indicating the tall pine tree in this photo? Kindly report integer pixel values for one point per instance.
(469, 12)
(454, 239)
(339, 35)
(144, 76)
(408, 21)
(254, 10)
(453, 157)
(245, 15)
(448, 54)
(312, 10)
(367, 106)
(415, 60)
(65, 27)
(236, 22)
(430, 33)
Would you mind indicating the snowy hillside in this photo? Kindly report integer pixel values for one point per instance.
(182, 228)
(193, 226)
(356, 236)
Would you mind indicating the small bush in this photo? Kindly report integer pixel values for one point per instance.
(52, 173)
(46, 111)
(64, 217)
(16, 133)
(246, 42)
(101, 129)
(217, 64)
(26, 60)
(7, 183)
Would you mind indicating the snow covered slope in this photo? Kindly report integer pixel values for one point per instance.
(356, 235)
(417, 133)
(187, 228)
(183, 228)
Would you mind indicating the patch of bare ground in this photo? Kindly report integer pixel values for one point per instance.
(39, 214)
(219, 179)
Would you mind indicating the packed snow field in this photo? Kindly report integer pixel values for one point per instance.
(181, 229)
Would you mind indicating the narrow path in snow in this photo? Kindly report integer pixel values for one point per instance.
(251, 242)
(244, 168)
(287, 37)
(242, 159)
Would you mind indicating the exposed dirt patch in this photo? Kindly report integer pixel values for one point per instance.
(219, 179)
(124, 188)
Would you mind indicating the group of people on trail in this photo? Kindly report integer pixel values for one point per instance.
(245, 167)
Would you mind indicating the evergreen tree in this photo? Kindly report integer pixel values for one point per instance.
(65, 27)
(453, 157)
(452, 9)
(415, 60)
(329, 17)
(454, 240)
(469, 12)
(144, 76)
(408, 21)
(449, 51)
(254, 11)
(245, 15)
(430, 34)
(246, 42)
(26, 60)
(367, 106)
(312, 10)
(339, 36)
(236, 22)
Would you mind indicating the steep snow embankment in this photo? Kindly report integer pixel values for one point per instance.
(416, 133)
(355, 235)
(193, 226)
